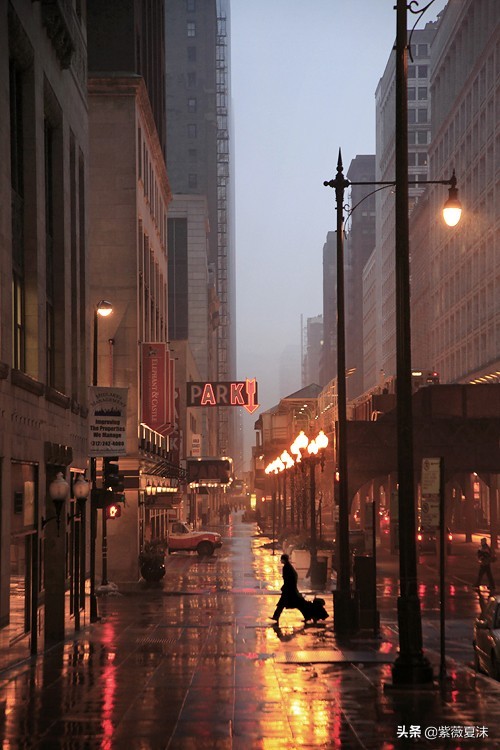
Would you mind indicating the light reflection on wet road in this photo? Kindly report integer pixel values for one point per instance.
(197, 664)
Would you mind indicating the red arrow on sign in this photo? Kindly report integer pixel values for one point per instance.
(251, 392)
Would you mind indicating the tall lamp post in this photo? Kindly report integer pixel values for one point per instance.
(300, 444)
(411, 666)
(102, 309)
(80, 492)
(316, 454)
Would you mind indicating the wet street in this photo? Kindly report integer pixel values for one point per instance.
(196, 663)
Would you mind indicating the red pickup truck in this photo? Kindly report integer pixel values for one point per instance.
(182, 538)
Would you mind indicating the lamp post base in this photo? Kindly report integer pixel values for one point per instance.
(411, 672)
(411, 667)
(345, 612)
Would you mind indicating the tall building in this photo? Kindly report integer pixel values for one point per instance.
(456, 273)
(128, 204)
(359, 244)
(129, 36)
(289, 369)
(45, 314)
(313, 346)
(199, 157)
(419, 137)
(329, 351)
(193, 309)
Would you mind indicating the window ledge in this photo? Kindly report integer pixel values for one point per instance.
(56, 397)
(26, 382)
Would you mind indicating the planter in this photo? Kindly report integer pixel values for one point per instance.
(328, 553)
(301, 561)
(152, 571)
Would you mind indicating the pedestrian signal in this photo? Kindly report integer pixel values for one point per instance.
(112, 479)
(113, 511)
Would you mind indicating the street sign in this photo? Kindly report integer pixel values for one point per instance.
(431, 481)
(430, 476)
(238, 393)
(196, 445)
(430, 512)
(107, 421)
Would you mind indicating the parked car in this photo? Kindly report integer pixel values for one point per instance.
(486, 639)
(427, 540)
(181, 538)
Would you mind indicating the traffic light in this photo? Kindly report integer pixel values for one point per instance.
(113, 511)
(111, 477)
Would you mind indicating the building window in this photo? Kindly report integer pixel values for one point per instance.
(17, 205)
(422, 159)
(191, 80)
(412, 137)
(422, 71)
(411, 116)
(49, 252)
(421, 115)
(192, 131)
(411, 93)
(422, 137)
(191, 6)
(422, 93)
(139, 153)
(191, 28)
(191, 54)
(18, 347)
(422, 50)
(411, 71)
(191, 104)
(193, 154)
(193, 181)
(412, 159)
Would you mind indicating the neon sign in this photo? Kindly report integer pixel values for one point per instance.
(238, 393)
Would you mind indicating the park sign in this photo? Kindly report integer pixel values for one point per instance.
(238, 393)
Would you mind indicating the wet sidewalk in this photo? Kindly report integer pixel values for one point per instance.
(196, 663)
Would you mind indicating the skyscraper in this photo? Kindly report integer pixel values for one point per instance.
(359, 244)
(419, 136)
(455, 273)
(199, 157)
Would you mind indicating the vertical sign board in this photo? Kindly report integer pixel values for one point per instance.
(154, 360)
(431, 468)
(196, 445)
(107, 421)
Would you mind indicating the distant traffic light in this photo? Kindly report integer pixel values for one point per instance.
(113, 511)
(111, 477)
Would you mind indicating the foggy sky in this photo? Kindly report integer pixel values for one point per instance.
(304, 75)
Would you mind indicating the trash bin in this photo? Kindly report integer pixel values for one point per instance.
(319, 572)
(365, 587)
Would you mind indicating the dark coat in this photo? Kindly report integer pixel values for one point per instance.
(290, 593)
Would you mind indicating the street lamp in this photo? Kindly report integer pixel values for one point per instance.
(300, 444)
(316, 455)
(288, 462)
(272, 468)
(58, 492)
(452, 209)
(80, 492)
(102, 309)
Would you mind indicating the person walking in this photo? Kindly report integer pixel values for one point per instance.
(290, 597)
(485, 559)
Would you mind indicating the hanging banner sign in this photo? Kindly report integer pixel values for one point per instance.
(154, 384)
(107, 421)
(239, 393)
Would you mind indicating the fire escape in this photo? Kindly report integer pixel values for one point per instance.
(223, 331)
